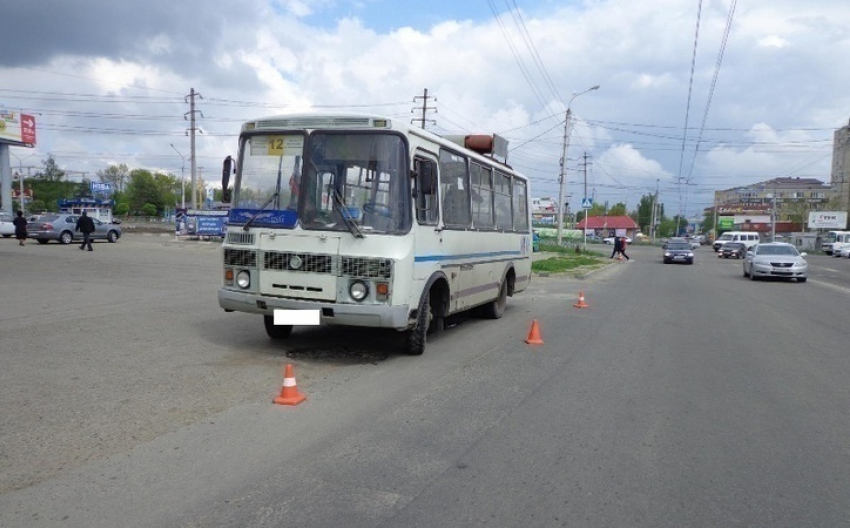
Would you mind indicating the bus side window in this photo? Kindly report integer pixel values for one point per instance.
(426, 192)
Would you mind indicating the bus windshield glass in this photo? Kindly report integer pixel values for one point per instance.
(266, 191)
(357, 182)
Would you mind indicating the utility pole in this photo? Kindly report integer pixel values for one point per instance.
(654, 211)
(562, 178)
(422, 120)
(191, 133)
(584, 169)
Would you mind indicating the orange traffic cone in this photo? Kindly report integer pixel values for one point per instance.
(289, 394)
(534, 334)
(581, 303)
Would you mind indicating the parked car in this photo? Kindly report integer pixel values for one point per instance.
(610, 240)
(7, 228)
(62, 228)
(678, 251)
(732, 250)
(694, 243)
(845, 252)
(775, 259)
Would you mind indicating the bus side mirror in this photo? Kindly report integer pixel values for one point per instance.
(226, 170)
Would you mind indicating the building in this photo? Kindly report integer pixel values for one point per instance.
(605, 226)
(793, 198)
(94, 207)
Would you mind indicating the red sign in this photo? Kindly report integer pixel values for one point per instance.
(27, 129)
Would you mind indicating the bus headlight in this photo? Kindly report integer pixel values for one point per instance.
(358, 290)
(243, 279)
(295, 262)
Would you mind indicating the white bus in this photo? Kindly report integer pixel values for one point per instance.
(829, 238)
(366, 221)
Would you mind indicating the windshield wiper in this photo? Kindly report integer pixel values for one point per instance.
(260, 210)
(352, 227)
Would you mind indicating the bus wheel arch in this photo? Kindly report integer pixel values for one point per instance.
(430, 315)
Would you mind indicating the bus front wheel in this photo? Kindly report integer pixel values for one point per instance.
(415, 337)
(276, 331)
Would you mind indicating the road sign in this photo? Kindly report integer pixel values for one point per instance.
(587, 203)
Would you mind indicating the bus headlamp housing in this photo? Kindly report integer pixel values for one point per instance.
(243, 279)
(358, 290)
(295, 262)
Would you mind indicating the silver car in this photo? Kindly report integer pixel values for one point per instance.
(775, 259)
(62, 228)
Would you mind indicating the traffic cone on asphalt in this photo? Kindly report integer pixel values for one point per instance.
(534, 334)
(581, 303)
(289, 394)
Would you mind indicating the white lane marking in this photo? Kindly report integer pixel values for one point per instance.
(832, 286)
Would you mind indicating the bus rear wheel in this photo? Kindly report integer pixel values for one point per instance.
(276, 331)
(496, 308)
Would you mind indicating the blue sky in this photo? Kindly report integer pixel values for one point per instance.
(107, 81)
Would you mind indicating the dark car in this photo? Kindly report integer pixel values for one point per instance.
(676, 251)
(62, 228)
(732, 250)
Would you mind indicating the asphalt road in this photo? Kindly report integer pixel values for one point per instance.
(683, 396)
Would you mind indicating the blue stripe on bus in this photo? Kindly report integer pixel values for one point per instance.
(435, 258)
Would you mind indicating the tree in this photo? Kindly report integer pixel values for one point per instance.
(643, 214)
(117, 175)
(149, 209)
(51, 171)
(142, 189)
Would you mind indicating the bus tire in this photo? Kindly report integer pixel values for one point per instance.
(416, 337)
(496, 308)
(276, 331)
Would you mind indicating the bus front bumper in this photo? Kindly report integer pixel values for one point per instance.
(378, 316)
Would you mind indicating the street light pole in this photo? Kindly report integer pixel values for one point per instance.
(563, 178)
(182, 184)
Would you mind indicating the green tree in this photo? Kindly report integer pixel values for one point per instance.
(149, 209)
(121, 208)
(143, 189)
(48, 187)
(643, 215)
(618, 209)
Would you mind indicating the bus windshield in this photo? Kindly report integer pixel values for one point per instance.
(357, 182)
(356, 178)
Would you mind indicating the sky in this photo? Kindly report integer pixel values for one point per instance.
(694, 95)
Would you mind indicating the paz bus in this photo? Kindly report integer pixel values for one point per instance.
(365, 221)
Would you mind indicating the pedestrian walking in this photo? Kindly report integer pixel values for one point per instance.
(623, 244)
(85, 225)
(618, 246)
(20, 224)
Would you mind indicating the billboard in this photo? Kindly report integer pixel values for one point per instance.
(17, 128)
(725, 223)
(827, 220)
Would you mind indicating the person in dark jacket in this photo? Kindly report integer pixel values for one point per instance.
(623, 245)
(85, 225)
(618, 246)
(20, 224)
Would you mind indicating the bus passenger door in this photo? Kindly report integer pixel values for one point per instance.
(428, 240)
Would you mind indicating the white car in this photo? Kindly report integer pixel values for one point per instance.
(845, 251)
(7, 228)
(775, 259)
(610, 240)
(840, 247)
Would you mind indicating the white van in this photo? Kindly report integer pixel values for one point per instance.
(750, 238)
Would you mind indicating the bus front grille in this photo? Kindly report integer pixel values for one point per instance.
(242, 258)
(240, 237)
(338, 266)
